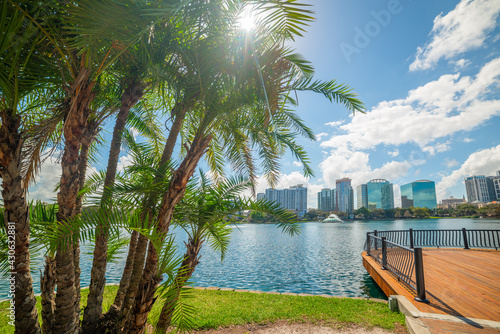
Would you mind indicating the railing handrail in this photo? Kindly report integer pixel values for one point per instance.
(466, 238)
(393, 243)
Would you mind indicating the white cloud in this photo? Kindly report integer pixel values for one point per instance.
(394, 153)
(435, 110)
(335, 124)
(319, 136)
(451, 163)
(484, 162)
(46, 180)
(124, 161)
(468, 140)
(464, 28)
(356, 166)
(432, 150)
(297, 164)
(461, 63)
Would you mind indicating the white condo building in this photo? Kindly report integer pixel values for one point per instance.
(293, 198)
(477, 189)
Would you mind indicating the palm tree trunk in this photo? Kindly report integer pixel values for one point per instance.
(93, 311)
(66, 319)
(135, 260)
(16, 217)
(47, 287)
(127, 272)
(135, 279)
(145, 299)
(191, 260)
(90, 132)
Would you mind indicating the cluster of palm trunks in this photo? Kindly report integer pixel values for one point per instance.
(68, 67)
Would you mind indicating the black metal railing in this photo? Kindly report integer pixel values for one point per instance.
(460, 238)
(400, 251)
(404, 262)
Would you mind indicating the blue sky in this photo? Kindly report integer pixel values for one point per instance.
(429, 74)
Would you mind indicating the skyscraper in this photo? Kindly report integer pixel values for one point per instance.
(293, 198)
(362, 196)
(344, 195)
(420, 194)
(477, 188)
(380, 194)
(326, 200)
(496, 185)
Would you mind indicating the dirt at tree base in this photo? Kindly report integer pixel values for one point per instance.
(285, 327)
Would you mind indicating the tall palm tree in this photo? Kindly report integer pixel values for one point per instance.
(24, 91)
(232, 94)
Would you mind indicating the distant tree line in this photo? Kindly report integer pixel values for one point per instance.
(463, 210)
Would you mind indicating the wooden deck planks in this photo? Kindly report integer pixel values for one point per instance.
(458, 282)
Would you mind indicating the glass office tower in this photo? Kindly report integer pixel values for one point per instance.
(344, 195)
(380, 194)
(420, 194)
(326, 200)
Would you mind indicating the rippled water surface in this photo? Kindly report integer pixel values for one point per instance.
(323, 258)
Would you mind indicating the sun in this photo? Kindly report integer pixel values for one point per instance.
(246, 20)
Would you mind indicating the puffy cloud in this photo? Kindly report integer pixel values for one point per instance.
(297, 164)
(435, 110)
(461, 63)
(319, 136)
(335, 124)
(484, 162)
(46, 180)
(124, 161)
(451, 163)
(464, 28)
(394, 153)
(432, 150)
(356, 166)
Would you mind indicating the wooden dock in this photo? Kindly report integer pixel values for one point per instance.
(458, 282)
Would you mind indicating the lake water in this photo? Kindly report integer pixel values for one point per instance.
(323, 258)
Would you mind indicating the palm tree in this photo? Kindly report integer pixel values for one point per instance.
(229, 119)
(25, 91)
(205, 213)
(85, 40)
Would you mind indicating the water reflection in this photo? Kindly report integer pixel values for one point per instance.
(323, 258)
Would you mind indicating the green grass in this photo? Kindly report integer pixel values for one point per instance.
(224, 308)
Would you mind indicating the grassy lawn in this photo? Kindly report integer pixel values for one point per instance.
(224, 308)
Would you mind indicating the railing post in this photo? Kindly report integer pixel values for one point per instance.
(368, 245)
(384, 254)
(464, 234)
(375, 234)
(411, 238)
(419, 275)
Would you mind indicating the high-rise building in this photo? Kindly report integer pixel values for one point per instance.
(344, 195)
(380, 194)
(260, 196)
(420, 194)
(326, 200)
(293, 198)
(496, 186)
(362, 196)
(477, 188)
